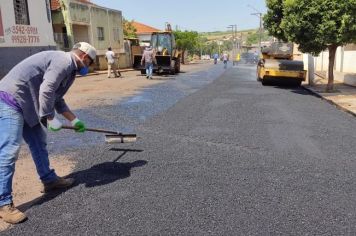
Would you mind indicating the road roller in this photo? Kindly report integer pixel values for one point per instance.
(277, 65)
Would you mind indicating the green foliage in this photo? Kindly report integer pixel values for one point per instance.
(220, 35)
(187, 40)
(129, 29)
(209, 48)
(273, 18)
(313, 24)
(317, 24)
(227, 45)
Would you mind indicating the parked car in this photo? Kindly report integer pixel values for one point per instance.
(249, 58)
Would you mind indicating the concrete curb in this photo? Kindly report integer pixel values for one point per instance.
(329, 101)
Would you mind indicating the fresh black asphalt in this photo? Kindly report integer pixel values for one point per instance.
(219, 154)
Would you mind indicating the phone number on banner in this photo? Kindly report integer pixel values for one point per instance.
(20, 29)
(25, 39)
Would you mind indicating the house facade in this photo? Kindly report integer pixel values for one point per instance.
(80, 20)
(25, 29)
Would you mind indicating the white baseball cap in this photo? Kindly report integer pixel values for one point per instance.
(86, 48)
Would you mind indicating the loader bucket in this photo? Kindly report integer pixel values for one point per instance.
(137, 62)
(163, 61)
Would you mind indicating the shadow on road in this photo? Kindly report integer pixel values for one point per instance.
(294, 89)
(303, 92)
(164, 77)
(97, 175)
(297, 90)
(160, 76)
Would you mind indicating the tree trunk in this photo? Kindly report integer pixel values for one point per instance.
(332, 52)
(183, 57)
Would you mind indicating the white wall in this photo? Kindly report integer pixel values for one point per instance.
(322, 62)
(345, 65)
(144, 37)
(38, 33)
(349, 62)
(345, 61)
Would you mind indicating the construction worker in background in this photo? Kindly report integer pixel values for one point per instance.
(237, 59)
(225, 58)
(29, 96)
(216, 57)
(148, 58)
(112, 61)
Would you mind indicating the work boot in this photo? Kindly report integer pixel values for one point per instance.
(59, 183)
(10, 214)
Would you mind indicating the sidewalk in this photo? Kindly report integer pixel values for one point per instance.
(344, 96)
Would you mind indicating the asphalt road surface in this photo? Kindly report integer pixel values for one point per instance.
(219, 154)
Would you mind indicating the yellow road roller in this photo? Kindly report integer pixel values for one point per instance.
(277, 65)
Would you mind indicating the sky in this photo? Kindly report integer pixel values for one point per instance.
(196, 15)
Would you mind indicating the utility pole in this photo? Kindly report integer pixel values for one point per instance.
(234, 40)
(219, 44)
(259, 15)
(201, 47)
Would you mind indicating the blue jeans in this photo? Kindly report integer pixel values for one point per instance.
(12, 129)
(149, 69)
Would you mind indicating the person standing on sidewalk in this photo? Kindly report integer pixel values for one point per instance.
(112, 63)
(148, 58)
(29, 96)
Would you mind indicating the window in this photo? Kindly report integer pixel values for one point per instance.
(21, 12)
(100, 33)
(116, 34)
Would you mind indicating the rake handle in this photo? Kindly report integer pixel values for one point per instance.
(91, 129)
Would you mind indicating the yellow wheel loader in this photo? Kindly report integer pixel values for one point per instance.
(277, 64)
(168, 57)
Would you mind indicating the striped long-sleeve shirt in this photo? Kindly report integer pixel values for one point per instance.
(39, 83)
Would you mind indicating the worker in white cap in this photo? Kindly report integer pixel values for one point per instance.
(30, 96)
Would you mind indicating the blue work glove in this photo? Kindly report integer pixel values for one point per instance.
(78, 125)
(54, 124)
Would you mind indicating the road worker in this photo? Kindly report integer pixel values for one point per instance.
(29, 96)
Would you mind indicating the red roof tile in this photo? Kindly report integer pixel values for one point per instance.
(55, 5)
(143, 29)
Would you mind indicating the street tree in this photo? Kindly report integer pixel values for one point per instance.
(129, 29)
(314, 25)
(227, 45)
(210, 47)
(273, 18)
(187, 41)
